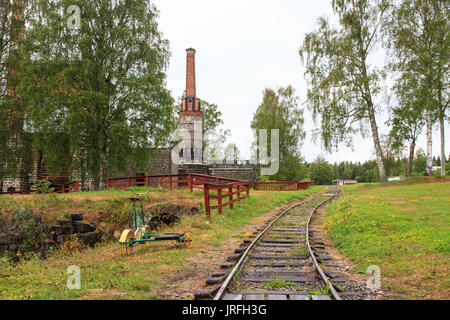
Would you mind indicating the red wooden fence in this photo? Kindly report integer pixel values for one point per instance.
(282, 185)
(189, 181)
(219, 192)
(73, 186)
(215, 188)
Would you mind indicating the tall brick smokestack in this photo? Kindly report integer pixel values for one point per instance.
(190, 73)
(190, 103)
(191, 116)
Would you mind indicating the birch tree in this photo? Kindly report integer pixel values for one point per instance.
(407, 118)
(418, 38)
(341, 83)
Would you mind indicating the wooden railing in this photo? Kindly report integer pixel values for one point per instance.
(282, 185)
(73, 186)
(215, 188)
(227, 192)
(189, 181)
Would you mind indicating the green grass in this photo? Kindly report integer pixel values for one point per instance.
(141, 275)
(279, 284)
(402, 227)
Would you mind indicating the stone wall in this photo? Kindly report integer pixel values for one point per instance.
(160, 163)
(196, 168)
(26, 232)
(244, 171)
(11, 185)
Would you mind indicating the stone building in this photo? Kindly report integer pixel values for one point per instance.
(191, 158)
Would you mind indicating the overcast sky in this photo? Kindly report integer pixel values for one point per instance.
(245, 46)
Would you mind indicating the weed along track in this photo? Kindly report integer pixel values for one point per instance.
(285, 261)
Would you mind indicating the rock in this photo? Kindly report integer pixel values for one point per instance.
(90, 238)
(65, 223)
(76, 216)
(60, 230)
(83, 227)
(62, 238)
(117, 235)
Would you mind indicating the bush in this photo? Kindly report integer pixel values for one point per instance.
(321, 172)
(43, 186)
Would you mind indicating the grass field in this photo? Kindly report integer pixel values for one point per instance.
(140, 275)
(402, 227)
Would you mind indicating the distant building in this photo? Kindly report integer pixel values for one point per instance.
(396, 179)
(341, 182)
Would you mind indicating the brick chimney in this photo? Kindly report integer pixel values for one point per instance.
(190, 103)
(190, 73)
(191, 116)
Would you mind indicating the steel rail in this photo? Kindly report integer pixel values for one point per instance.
(239, 264)
(333, 291)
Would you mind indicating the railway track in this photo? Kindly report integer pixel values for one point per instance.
(284, 262)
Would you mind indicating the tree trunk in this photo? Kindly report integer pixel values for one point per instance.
(371, 112)
(377, 145)
(442, 125)
(411, 157)
(82, 175)
(103, 160)
(429, 167)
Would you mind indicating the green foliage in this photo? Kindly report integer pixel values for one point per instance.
(341, 83)
(28, 227)
(280, 110)
(418, 40)
(420, 162)
(214, 137)
(232, 152)
(100, 97)
(323, 291)
(211, 121)
(407, 118)
(321, 172)
(43, 186)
